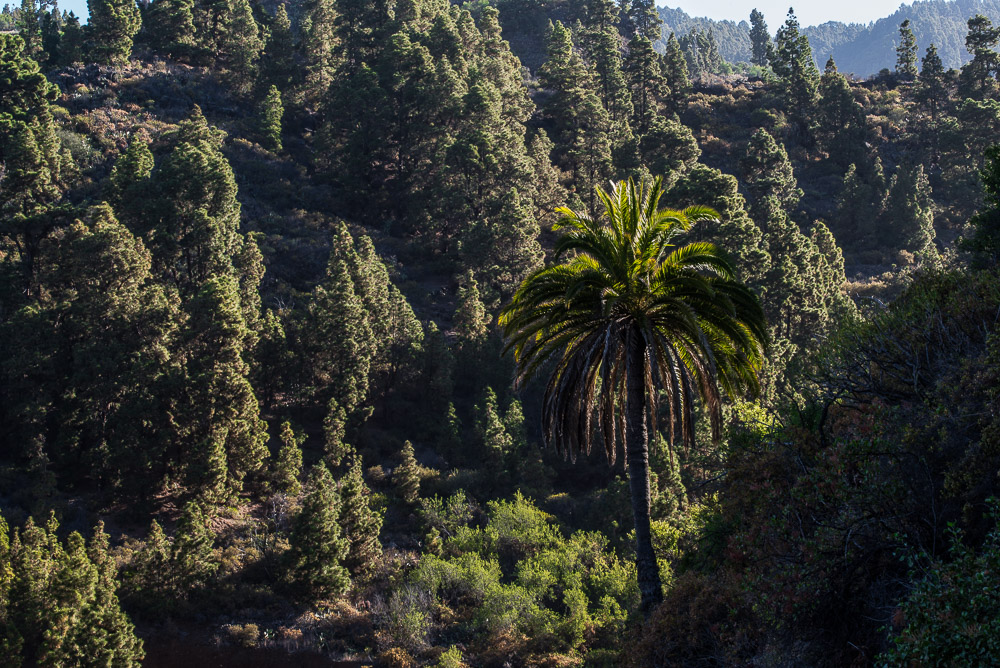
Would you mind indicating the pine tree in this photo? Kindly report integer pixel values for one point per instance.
(861, 201)
(192, 217)
(169, 27)
(72, 44)
(269, 119)
(52, 33)
(513, 424)
(932, 91)
(504, 249)
(669, 149)
(792, 62)
(767, 172)
(29, 28)
(241, 46)
(336, 342)
(675, 73)
(360, 29)
(495, 440)
(35, 166)
(151, 577)
(317, 50)
(406, 477)
(112, 25)
(909, 211)
(132, 168)
(359, 523)
(978, 77)
(601, 44)
(106, 635)
(107, 326)
(288, 467)
(219, 418)
(60, 608)
(906, 53)
(581, 124)
(646, 83)
(984, 241)
(192, 559)
(334, 430)
(317, 547)
(760, 40)
(645, 19)
(471, 320)
(736, 231)
(843, 124)
(278, 66)
(210, 20)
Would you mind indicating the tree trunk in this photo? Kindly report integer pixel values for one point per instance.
(637, 451)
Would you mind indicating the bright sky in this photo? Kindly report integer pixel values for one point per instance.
(809, 13)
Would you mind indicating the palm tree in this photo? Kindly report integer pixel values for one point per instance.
(628, 312)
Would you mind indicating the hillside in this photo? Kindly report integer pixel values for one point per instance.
(859, 49)
(404, 334)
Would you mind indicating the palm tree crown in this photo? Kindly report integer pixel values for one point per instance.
(628, 285)
(630, 310)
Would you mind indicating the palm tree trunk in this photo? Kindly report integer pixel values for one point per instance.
(637, 451)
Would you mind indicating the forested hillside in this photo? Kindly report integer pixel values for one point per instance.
(404, 333)
(859, 49)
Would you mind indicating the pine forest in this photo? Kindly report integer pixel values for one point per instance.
(498, 333)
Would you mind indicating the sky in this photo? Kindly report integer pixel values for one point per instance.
(808, 12)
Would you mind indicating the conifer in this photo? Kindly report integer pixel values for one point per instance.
(675, 73)
(241, 46)
(843, 125)
(106, 636)
(792, 62)
(29, 28)
(602, 47)
(760, 40)
(169, 27)
(269, 119)
(767, 172)
(335, 429)
(112, 25)
(977, 79)
(337, 342)
(909, 211)
(470, 315)
(647, 84)
(152, 576)
(192, 558)
(932, 91)
(573, 106)
(406, 477)
(906, 53)
(278, 62)
(359, 523)
(317, 50)
(288, 467)
(221, 418)
(132, 168)
(495, 440)
(317, 547)
(71, 45)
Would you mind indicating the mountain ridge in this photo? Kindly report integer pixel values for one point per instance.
(858, 48)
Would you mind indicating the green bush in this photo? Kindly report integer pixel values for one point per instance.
(952, 615)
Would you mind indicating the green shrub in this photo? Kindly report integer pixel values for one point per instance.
(952, 615)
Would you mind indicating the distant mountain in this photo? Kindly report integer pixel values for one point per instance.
(858, 48)
(733, 38)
